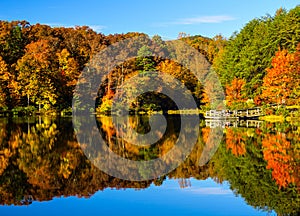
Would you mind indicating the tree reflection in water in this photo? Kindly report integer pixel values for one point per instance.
(41, 159)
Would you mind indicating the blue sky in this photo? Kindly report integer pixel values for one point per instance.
(166, 18)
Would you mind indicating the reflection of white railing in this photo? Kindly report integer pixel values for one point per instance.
(213, 123)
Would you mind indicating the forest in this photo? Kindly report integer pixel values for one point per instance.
(41, 158)
(258, 65)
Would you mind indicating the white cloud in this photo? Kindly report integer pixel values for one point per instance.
(200, 20)
(205, 19)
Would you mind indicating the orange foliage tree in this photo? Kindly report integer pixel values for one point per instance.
(278, 83)
(234, 92)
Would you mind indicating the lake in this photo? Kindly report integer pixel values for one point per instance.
(48, 167)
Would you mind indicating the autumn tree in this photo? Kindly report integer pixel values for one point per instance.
(198, 42)
(185, 76)
(12, 40)
(8, 86)
(278, 83)
(215, 47)
(67, 76)
(36, 74)
(234, 92)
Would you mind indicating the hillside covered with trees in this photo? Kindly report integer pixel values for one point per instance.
(40, 65)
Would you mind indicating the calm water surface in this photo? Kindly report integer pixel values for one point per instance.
(44, 170)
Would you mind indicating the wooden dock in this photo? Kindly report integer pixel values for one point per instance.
(234, 114)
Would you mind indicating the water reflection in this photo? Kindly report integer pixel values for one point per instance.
(41, 159)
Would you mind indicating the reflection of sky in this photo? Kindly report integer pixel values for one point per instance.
(202, 198)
